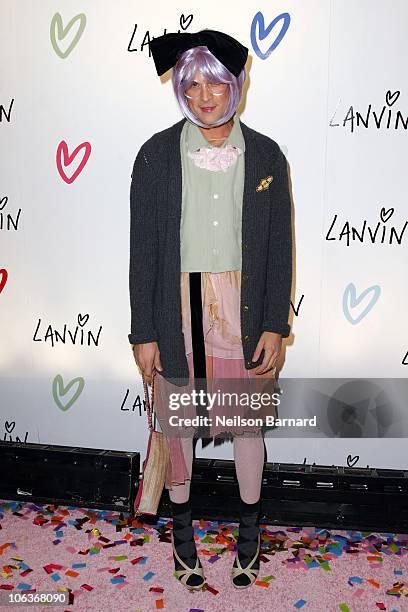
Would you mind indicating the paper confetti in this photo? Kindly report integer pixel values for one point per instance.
(94, 554)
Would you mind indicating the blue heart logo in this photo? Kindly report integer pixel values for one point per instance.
(258, 22)
(350, 300)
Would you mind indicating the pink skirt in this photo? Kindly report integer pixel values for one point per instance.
(221, 304)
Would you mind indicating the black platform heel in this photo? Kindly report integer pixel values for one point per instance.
(188, 568)
(245, 568)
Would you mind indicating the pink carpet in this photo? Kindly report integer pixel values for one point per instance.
(106, 561)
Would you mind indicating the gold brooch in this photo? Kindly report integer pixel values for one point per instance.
(264, 183)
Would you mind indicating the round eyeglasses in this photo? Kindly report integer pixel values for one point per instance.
(194, 90)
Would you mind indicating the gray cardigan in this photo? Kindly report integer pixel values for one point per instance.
(154, 270)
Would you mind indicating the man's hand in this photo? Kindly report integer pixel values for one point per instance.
(147, 357)
(271, 342)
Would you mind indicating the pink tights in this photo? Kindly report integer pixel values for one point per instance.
(249, 463)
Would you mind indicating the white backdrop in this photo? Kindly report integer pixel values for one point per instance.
(327, 81)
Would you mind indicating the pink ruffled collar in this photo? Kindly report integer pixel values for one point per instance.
(215, 158)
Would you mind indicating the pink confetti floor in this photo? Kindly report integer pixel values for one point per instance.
(107, 561)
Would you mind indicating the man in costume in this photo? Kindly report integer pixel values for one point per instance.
(210, 264)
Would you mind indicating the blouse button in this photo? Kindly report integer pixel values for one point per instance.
(244, 277)
(246, 338)
(246, 307)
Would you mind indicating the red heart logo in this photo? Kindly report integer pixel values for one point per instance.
(62, 151)
(3, 281)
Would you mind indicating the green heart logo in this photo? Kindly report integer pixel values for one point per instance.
(57, 31)
(58, 391)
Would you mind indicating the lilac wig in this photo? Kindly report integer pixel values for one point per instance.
(201, 59)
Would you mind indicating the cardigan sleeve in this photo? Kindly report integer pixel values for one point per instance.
(279, 267)
(143, 250)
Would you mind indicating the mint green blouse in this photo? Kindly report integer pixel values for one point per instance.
(211, 216)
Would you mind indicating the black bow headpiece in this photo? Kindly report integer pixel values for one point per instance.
(167, 49)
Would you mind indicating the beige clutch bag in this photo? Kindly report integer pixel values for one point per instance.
(154, 466)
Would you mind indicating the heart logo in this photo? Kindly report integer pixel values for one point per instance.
(57, 31)
(258, 23)
(83, 319)
(58, 390)
(4, 277)
(185, 21)
(386, 214)
(350, 301)
(62, 150)
(391, 98)
(351, 461)
(9, 426)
